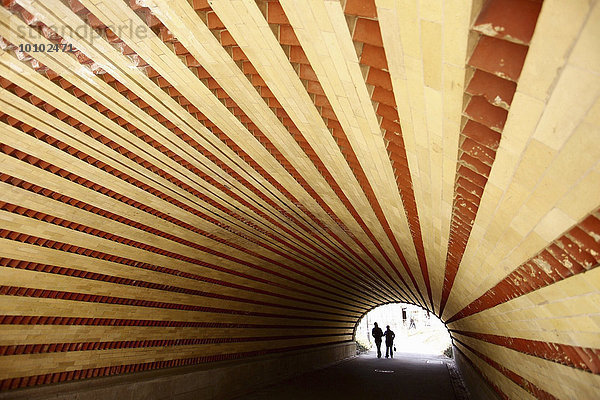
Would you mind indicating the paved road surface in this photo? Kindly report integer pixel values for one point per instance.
(408, 376)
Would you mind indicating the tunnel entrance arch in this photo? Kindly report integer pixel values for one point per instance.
(417, 329)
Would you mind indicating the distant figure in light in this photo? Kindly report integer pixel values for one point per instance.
(377, 334)
(389, 342)
(412, 323)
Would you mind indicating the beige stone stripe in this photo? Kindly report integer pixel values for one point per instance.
(17, 100)
(13, 335)
(55, 13)
(55, 208)
(566, 312)
(187, 26)
(410, 78)
(22, 141)
(258, 109)
(182, 20)
(429, 93)
(60, 189)
(155, 97)
(97, 88)
(552, 377)
(29, 173)
(190, 85)
(32, 174)
(13, 305)
(37, 118)
(323, 33)
(108, 128)
(24, 365)
(45, 281)
(207, 49)
(508, 387)
(152, 84)
(267, 56)
(550, 146)
(117, 228)
(68, 61)
(456, 16)
(36, 228)
(39, 280)
(22, 106)
(42, 255)
(211, 54)
(78, 66)
(33, 227)
(40, 229)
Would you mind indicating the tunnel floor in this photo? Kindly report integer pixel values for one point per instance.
(406, 376)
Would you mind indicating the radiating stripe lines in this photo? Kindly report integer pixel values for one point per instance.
(230, 186)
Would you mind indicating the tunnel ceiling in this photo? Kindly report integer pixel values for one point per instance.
(188, 181)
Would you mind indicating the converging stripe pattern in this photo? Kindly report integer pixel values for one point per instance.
(186, 182)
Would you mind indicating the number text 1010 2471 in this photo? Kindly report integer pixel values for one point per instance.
(46, 48)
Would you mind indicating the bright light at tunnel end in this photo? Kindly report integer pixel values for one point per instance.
(417, 331)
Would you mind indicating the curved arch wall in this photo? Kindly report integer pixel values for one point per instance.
(187, 183)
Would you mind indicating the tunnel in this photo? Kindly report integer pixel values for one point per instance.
(203, 197)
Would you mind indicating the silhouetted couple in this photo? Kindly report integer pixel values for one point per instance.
(389, 340)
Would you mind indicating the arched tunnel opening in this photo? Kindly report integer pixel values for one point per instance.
(202, 198)
(416, 330)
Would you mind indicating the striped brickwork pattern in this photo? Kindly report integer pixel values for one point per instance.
(204, 181)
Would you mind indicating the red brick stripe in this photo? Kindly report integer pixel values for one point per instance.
(287, 122)
(20, 237)
(122, 89)
(307, 74)
(516, 378)
(45, 348)
(573, 253)
(129, 154)
(585, 358)
(94, 186)
(104, 191)
(93, 298)
(87, 321)
(213, 85)
(367, 35)
(85, 206)
(223, 166)
(497, 63)
(108, 236)
(482, 375)
(82, 274)
(33, 380)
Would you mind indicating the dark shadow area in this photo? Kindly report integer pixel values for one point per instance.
(407, 376)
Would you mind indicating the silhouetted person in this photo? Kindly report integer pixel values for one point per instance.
(389, 342)
(412, 323)
(377, 334)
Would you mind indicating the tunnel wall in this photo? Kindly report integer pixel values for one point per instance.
(221, 380)
(248, 181)
(476, 383)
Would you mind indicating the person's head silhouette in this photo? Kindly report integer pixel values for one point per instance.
(388, 327)
(375, 324)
